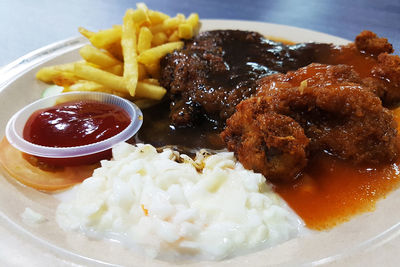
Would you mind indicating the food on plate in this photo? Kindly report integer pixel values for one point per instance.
(218, 69)
(99, 57)
(175, 207)
(371, 58)
(266, 142)
(365, 66)
(316, 109)
(32, 217)
(129, 48)
(124, 60)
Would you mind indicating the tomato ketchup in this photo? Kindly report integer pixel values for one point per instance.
(76, 123)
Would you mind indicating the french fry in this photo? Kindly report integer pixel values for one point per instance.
(102, 77)
(67, 66)
(181, 17)
(151, 81)
(145, 103)
(174, 37)
(193, 20)
(144, 39)
(153, 70)
(157, 17)
(115, 49)
(142, 6)
(156, 28)
(151, 91)
(159, 38)
(129, 50)
(140, 17)
(65, 79)
(125, 59)
(47, 74)
(172, 23)
(116, 69)
(154, 54)
(84, 85)
(98, 57)
(142, 72)
(185, 31)
(85, 32)
(104, 38)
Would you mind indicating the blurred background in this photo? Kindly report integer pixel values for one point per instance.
(27, 25)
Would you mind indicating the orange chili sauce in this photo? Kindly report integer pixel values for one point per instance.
(331, 191)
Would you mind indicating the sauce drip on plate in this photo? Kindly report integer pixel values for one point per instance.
(330, 191)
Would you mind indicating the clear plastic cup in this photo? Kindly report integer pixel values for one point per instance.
(15, 126)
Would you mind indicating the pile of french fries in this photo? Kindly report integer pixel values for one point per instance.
(125, 59)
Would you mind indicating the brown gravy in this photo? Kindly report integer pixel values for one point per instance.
(158, 131)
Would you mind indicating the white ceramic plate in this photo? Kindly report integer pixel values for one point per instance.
(18, 87)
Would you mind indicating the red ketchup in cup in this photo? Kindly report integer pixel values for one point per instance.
(76, 123)
(73, 128)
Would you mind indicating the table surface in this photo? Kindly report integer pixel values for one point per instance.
(28, 25)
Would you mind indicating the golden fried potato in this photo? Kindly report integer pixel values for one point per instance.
(159, 38)
(144, 39)
(140, 17)
(157, 17)
(124, 59)
(85, 32)
(47, 74)
(173, 23)
(129, 50)
(98, 57)
(116, 69)
(153, 55)
(102, 77)
(185, 31)
(147, 90)
(105, 38)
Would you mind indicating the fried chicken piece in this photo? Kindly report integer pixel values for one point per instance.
(370, 57)
(338, 113)
(385, 79)
(369, 43)
(265, 141)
